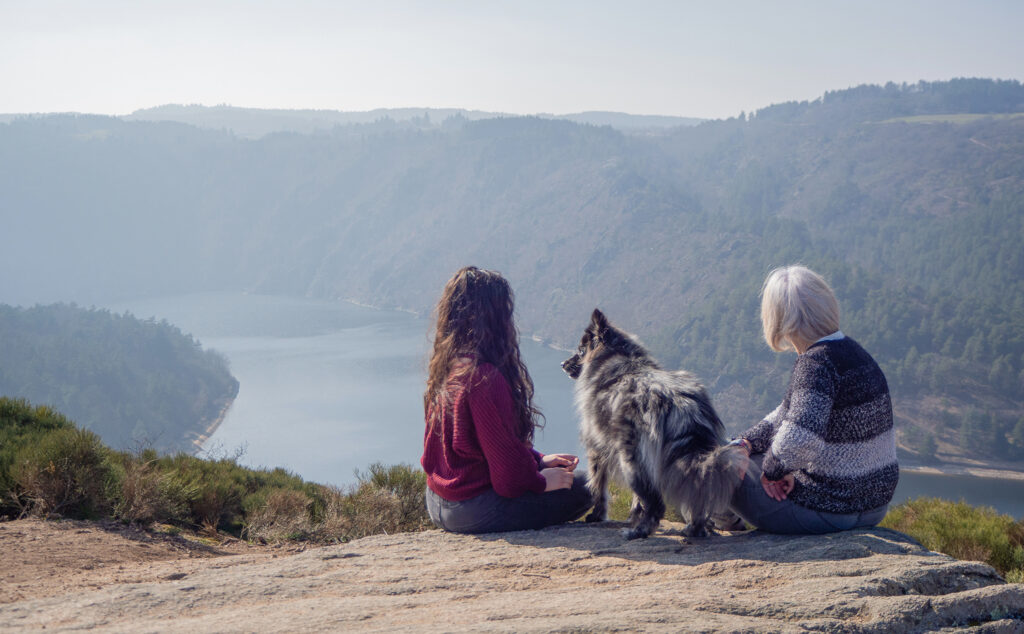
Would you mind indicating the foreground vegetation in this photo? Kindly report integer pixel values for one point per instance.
(50, 467)
(964, 532)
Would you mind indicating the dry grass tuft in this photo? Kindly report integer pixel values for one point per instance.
(386, 500)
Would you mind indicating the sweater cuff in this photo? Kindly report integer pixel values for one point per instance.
(538, 456)
(772, 467)
(755, 443)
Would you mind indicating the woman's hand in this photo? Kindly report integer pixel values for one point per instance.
(742, 449)
(564, 460)
(556, 478)
(742, 461)
(778, 490)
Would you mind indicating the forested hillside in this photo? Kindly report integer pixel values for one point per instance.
(138, 384)
(909, 198)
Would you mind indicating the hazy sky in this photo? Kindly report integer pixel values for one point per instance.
(706, 59)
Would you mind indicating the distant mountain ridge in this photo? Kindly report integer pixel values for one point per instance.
(917, 226)
(253, 123)
(257, 122)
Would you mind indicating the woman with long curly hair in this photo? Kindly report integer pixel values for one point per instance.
(483, 474)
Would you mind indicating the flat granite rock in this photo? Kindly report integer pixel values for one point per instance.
(575, 577)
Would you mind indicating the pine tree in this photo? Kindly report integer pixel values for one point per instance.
(1017, 435)
(928, 447)
(972, 431)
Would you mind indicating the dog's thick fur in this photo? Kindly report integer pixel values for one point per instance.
(650, 429)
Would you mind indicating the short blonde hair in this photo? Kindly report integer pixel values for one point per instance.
(797, 301)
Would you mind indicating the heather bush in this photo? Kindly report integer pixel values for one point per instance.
(215, 490)
(65, 472)
(148, 493)
(404, 486)
(276, 515)
(387, 499)
(21, 425)
(964, 532)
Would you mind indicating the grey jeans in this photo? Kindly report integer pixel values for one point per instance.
(491, 513)
(787, 517)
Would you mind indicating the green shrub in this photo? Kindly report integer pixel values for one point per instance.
(275, 515)
(963, 531)
(21, 425)
(147, 493)
(18, 418)
(211, 490)
(65, 472)
(48, 466)
(219, 494)
(388, 499)
(405, 486)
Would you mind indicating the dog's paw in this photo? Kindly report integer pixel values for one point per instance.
(728, 522)
(696, 531)
(639, 532)
(594, 517)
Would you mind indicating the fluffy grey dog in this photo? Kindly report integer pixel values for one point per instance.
(650, 429)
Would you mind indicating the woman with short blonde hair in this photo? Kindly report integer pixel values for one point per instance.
(797, 301)
(825, 459)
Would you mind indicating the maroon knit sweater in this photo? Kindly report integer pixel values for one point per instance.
(472, 446)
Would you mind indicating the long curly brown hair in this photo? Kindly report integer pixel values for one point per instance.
(475, 322)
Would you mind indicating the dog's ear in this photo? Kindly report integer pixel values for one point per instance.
(599, 325)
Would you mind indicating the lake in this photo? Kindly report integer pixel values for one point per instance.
(328, 388)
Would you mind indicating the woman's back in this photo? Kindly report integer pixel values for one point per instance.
(469, 443)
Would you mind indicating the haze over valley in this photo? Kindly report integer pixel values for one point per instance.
(907, 197)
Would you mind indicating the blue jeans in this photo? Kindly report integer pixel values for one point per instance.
(491, 513)
(787, 517)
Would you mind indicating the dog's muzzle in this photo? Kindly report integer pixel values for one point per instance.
(572, 366)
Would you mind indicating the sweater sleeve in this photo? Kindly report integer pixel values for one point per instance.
(538, 456)
(511, 463)
(760, 435)
(800, 436)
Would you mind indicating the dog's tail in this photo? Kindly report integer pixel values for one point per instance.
(702, 484)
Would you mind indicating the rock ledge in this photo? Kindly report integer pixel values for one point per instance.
(569, 578)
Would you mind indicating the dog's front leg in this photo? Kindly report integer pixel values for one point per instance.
(636, 509)
(597, 482)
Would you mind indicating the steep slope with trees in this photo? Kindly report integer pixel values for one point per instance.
(135, 383)
(908, 197)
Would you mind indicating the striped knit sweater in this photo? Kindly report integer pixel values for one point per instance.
(833, 431)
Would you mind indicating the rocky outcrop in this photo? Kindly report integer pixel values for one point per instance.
(570, 578)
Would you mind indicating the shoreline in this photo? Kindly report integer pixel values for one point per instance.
(991, 473)
(947, 469)
(201, 438)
